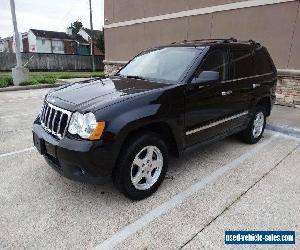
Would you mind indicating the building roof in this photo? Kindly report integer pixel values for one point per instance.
(58, 35)
(51, 34)
(78, 38)
(10, 38)
(95, 32)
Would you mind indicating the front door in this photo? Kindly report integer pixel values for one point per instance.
(211, 108)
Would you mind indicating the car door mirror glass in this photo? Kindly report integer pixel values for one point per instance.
(206, 77)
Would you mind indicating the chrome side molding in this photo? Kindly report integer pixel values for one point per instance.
(213, 124)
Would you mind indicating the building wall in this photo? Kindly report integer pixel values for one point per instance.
(43, 45)
(84, 35)
(273, 25)
(70, 47)
(14, 43)
(84, 50)
(25, 45)
(32, 42)
(134, 25)
(57, 46)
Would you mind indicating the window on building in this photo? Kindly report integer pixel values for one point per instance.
(57, 46)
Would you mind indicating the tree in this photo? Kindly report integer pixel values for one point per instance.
(100, 41)
(76, 26)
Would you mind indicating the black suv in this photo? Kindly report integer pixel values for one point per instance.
(165, 100)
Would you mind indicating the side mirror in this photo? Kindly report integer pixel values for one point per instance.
(206, 77)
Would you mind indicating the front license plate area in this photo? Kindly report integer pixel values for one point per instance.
(39, 144)
(50, 149)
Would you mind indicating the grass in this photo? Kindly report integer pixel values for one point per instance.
(46, 77)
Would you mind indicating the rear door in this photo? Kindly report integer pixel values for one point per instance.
(242, 73)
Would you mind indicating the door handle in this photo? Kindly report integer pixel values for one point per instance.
(256, 85)
(229, 92)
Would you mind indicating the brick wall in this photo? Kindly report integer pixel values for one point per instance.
(97, 51)
(25, 45)
(111, 69)
(288, 91)
(70, 47)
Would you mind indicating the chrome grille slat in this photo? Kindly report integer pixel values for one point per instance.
(45, 112)
(59, 123)
(55, 120)
(65, 129)
(49, 118)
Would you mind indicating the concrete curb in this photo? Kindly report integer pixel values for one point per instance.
(284, 129)
(39, 86)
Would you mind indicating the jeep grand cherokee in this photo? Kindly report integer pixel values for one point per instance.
(165, 100)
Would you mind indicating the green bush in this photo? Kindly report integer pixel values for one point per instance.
(5, 81)
(47, 77)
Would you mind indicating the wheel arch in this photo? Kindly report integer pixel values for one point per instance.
(266, 102)
(162, 129)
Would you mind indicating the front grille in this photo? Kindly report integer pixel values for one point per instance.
(55, 120)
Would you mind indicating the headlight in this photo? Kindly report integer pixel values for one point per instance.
(86, 126)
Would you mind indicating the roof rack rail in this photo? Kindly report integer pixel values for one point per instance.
(232, 39)
(221, 40)
(254, 43)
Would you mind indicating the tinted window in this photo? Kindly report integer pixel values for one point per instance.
(262, 63)
(167, 64)
(216, 61)
(242, 63)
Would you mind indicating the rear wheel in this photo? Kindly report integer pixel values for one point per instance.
(142, 166)
(253, 133)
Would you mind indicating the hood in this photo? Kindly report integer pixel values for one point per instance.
(94, 94)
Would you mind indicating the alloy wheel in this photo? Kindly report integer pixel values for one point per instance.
(258, 124)
(146, 167)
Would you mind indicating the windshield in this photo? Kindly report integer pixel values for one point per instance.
(167, 64)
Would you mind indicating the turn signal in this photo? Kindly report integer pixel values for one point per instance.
(96, 134)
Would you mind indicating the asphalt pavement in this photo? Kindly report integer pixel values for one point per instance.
(227, 185)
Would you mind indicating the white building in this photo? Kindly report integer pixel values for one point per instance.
(41, 41)
(22, 37)
(87, 34)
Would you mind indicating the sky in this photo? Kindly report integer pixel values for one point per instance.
(55, 15)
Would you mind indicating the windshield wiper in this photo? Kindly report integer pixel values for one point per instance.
(134, 77)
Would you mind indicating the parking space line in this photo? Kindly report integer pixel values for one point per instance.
(290, 137)
(17, 152)
(176, 200)
(12, 116)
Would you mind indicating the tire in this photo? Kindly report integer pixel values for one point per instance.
(139, 181)
(249, 135)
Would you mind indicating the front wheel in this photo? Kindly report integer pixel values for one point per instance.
(142, 166)
(255, 129)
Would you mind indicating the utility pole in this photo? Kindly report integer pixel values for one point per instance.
(92, 38)
(19, 73)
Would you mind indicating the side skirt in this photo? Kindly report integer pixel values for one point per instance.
(213, 139)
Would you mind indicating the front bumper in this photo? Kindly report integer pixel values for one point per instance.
(78, 160)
